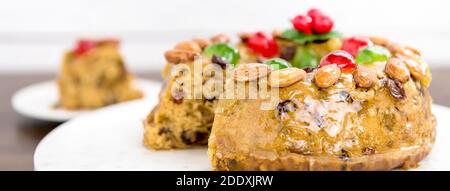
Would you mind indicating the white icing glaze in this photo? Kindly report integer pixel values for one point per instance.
(326, 114)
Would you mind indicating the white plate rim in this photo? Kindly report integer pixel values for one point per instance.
(19, 109)
(63, 125)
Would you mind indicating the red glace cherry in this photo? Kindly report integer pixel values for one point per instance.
(263, 44)
(314, 22)
(353, 44)
(342, 59)
(303, 23)
(322, 24)
(314, 13)
(84, 46)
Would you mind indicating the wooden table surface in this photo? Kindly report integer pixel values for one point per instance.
(20, 135)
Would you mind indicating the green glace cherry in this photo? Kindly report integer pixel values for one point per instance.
(373, 53)
(223, 50)
(277, 63)
(305, 58)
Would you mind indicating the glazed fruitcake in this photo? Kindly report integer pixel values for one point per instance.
(93, 75)
(305, 98)
(343, 103)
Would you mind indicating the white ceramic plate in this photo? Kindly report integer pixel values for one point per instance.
(37, 100)
(111, 139)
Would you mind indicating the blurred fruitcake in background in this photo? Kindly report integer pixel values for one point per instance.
(94, 75)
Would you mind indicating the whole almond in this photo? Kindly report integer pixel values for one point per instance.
(223, 38)
(403, 51)
(394, 48)
(327, 76)
(202, 42)
(407, 52)
(396, 69)
(364, 77)
(286, 77)
(379, 40)
(188, 45)
(250, 72)
(414, 50)
(178, 56)
(416, 69)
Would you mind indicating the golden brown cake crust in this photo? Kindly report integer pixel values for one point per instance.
(408, 158)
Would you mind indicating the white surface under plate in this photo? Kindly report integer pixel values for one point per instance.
(38, 100)
(111, 139)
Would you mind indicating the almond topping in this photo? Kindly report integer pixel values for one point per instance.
(220, 38)
(396, 69)
(202, 42)
(250, 72)
(188, 45)
(327, 76)
(286, 77)
(364, 77)
(178, 56)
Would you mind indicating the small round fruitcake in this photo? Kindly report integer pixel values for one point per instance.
(342, 103)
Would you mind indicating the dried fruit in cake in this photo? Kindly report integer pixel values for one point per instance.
(396, 88)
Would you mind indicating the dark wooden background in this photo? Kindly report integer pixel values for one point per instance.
(20, 135)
